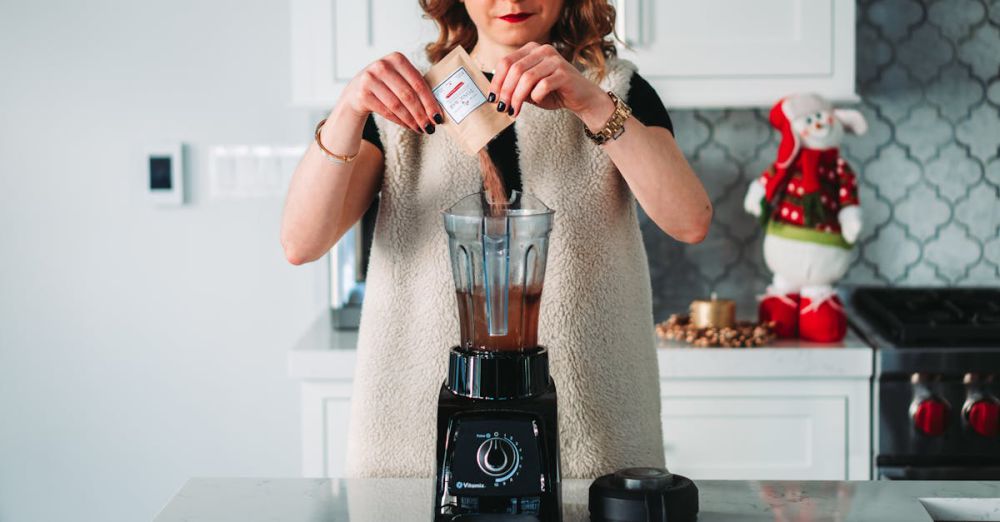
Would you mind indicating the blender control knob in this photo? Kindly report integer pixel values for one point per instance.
(496, 456)
(984, 417)
(930, 416)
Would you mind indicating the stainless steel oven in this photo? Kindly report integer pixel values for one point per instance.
(937, 380)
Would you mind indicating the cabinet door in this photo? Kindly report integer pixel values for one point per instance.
(326, 410)
(748, 438)
(739, 52)
(334, 39)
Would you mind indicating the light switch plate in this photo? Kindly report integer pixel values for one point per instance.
(251, 171)
(164, 168)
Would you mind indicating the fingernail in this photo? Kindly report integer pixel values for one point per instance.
(429, 128)
(501, 106)
(491, 98)
(510, 110)
(438, 119)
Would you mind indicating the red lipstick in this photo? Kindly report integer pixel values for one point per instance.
(515, 17)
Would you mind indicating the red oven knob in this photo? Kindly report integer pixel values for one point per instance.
(930, 416)
(984, 417)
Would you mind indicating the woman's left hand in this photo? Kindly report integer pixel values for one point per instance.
(538, 74)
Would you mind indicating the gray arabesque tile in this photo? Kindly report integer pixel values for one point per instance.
(929, 76)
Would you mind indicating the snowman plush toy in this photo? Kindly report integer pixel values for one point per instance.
(807, 201)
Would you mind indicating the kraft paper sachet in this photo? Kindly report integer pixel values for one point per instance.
(460, 88)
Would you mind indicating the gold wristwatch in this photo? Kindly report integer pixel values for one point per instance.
(615, 125)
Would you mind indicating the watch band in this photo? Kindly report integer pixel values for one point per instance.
(615, 125)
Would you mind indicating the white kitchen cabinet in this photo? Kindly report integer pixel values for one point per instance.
(725, 53)
(775, 437)
(326, 407)
(797, 411)
(334, 39)
(713, 429)
(696, 53)
(767, 430)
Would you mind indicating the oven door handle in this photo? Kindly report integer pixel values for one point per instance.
(939, 472)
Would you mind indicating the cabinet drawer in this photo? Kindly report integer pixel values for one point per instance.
(773, 438)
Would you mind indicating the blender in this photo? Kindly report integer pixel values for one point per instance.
(498, 437)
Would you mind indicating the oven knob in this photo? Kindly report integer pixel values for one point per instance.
(497, 457)
(984, 417)
(930, 416)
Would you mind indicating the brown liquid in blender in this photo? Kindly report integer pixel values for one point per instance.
(522, 320)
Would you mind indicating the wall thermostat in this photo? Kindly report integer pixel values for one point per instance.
(165, 174)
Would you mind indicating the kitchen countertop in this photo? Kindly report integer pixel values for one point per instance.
(323, 353)
(376, 500)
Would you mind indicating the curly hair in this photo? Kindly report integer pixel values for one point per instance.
(580, 35)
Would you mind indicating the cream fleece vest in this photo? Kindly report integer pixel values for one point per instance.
(596, 310)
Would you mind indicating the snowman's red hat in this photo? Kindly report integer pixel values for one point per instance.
(782, 114)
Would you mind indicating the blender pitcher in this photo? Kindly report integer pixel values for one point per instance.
(498, 262)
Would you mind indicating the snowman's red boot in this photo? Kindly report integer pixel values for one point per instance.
(783, 309)
(821, 316)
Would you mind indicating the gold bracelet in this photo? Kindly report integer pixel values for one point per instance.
(615, 125)
(339, 159)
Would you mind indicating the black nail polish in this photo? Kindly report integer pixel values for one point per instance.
(429, 128)
(438, 119)
(491, 98)
(510, 110)
(501, 106)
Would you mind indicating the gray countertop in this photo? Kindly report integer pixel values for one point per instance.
(377, 500)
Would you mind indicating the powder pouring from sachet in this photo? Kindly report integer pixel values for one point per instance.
(496, 192)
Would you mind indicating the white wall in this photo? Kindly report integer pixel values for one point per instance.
(140, 346)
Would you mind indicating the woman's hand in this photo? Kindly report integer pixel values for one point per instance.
(392, 86)
(538, 74)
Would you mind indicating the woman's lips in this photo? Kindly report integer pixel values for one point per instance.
(515, 17)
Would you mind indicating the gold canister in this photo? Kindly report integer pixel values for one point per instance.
(714, 312)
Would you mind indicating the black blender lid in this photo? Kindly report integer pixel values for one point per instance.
(643, 495)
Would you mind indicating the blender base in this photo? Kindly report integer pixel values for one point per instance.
(498, 459)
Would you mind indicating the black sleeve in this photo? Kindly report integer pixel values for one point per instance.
(370, 133)
(646, 104)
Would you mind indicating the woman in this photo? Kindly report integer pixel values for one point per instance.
(554, 65)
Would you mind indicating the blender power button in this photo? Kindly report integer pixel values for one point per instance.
(497, 457)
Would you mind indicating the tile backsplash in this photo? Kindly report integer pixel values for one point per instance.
(928, 73)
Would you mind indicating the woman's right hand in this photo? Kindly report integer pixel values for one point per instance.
(392, 86)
